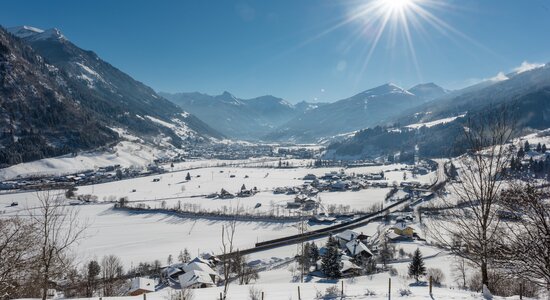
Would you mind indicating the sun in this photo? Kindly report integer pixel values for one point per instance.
(397, 5)
(398, 23)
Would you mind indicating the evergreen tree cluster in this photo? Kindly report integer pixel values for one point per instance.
(309, 257)
(538, 167)
(330, 260)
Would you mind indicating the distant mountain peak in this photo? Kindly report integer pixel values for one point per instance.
(227, 97)
(35, 34)
(388, 88)
(428, 91)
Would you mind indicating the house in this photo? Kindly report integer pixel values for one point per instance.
(300, 198)
(279, 190)
(322, 219)
(310, 177)
(203, 268)
(196, 279)
(245, 193)
(339, 186)
(357, 248)
(394, 237)
(347, 268)
(403, 229)
(172, 271)
(141, 285)
(207, 259)
(310, 204)
(349, 235)
(226, 195)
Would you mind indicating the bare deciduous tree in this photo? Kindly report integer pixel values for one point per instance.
(526, 248)
(58, 228)
(228, 234)
(471, 227)
(111, 270)
(460, 271)
(16, 253)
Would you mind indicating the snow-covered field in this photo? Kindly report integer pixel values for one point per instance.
(147, 236)
(137, 237)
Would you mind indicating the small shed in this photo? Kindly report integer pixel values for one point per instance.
(141, 285)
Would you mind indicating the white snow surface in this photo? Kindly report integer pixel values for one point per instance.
(125, 153)
(434, 123)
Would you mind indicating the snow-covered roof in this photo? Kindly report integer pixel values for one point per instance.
(195, 277)
(347, 235)
(347, 265)
(197, 266)
(141, 283)
(199, 259)
(401, 226)
(356, 247)
(392, 235)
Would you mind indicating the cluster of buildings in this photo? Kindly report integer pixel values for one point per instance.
(353, 248)
(229, 151)
(100, 175)
(196, 274)
(243, 193)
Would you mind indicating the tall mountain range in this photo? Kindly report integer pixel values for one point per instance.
(434, 129)
(249, 119)
(57, 98)
(368, 108)
(270, 118)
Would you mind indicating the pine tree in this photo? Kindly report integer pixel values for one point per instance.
(93, 269)
(543, 149)
(521, 153)
(526, 146)
(539, 148)
(416, 267)
(184, 256)
(304, 260)
(313, 254)
(330, 261)
(188, 177)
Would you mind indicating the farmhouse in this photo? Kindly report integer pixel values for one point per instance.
(349, 235)
(357, 248)
(195, 279)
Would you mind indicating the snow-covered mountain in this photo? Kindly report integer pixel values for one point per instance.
(39, 115)
(99, 92)
(434, 129)
(35, 34)
(114, 95)
(365, 109)
(248, 119)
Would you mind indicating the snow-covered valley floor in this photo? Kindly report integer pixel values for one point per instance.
(143, 237)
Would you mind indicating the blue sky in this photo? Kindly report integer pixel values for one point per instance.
(286, 48)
